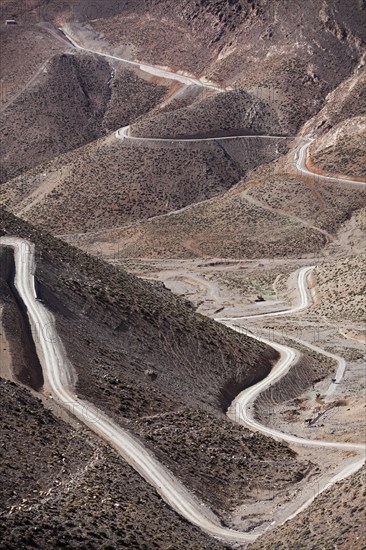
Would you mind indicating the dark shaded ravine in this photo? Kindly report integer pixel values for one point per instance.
(26, 365)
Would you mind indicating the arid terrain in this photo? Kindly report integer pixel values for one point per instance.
(345, 502)
(182, 267)
(78, 492)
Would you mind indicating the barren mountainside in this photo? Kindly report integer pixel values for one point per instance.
(297, 54)
(191, 175)
(271, 214)
(158, 367)
(128, 306)
(222, 114)
(78, 492)
(342, 507)
(81, 98)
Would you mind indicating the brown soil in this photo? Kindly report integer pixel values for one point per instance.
(141, 354)
(62, 488)
(154, 358)
(81, 98)
(334, 520)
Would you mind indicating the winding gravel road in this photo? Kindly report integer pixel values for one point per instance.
(241, 408)
(301, 156)
(150, 69)
(60, 377)
(301, 152)
(60, 380)
(304, 300)
(123, 133)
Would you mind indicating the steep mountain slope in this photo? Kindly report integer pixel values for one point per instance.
(342, 288)
(34, 11)
(140, 353)
(23, 363)
(222, 114)
(72, 108)
(297, 52)
(340, 128)
(348, 100)
(76, 99)
(24, 50)
(288, 52)
(334, 520)
(147, 326)
(124, 181)
(342, 149)
(270, 215)
(77, 493)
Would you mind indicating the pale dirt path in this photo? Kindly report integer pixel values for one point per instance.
(242, 410)
(209, 288)
(162, 72)
(47, 185)
(304, 300)
(60, 380)
(242, 404)
(301, 157)
(123, 133)
(256, 202)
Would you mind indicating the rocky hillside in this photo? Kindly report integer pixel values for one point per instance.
(340, 127)
(77, 493)
(334, 520)
(125, 181)
(342, 149)
(181, 212)
(342, 288)
(76, 99)
(347, 101)
(141, 327)
(270, 215)
(289, 53)
(25, 49)
(143, 356)
(295, 54)
(223, 114)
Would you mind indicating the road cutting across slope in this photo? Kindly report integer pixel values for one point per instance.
(241, 408)
(145, 67)
(304, 302)
(124, 133)
(60, 379)
(341, 362)
(301, 156)
(349, 470)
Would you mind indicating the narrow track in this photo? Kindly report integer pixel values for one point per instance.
(60, 379)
